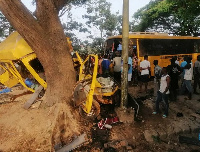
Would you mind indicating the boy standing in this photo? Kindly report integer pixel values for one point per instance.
(144, 68)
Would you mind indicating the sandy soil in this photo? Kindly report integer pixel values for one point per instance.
(34, 129)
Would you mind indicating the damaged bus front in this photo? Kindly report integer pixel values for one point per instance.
(19, 64)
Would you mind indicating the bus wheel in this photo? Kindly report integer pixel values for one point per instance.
(95, 111)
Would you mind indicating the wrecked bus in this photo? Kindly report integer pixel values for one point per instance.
(19, 63)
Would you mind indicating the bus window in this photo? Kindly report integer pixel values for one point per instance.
(197, 46)
(156, 47)
(36, 65)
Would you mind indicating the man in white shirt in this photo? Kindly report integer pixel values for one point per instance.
(117, 67)
(177, 62)
(144, 68)
(187, 79)
(162, 94)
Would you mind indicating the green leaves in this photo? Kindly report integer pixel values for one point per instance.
(99, 16)
(180, 17)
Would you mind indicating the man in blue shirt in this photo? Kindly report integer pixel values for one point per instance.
(119, 48)
(105, 66)
(184, 63)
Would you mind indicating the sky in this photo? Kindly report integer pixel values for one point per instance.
(117, 5)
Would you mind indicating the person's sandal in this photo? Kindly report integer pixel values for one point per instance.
(154, 113)
(164, 116)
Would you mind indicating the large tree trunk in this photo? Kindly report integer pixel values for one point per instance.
(46, 37)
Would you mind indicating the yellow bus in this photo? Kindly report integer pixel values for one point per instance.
(158, 46)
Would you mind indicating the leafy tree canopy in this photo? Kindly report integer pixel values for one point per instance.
(99, 16)
(180, 17)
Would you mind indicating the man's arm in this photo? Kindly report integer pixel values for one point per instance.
(196, 68)
(114, 62)
(141, 68)
(188, 66)
(168, 82)
(149, 66)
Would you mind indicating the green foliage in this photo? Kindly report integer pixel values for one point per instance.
(99, 16)
(70, 27)
(78, 2)
(180, 17)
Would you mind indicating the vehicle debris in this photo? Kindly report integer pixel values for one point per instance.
(33, 97)
(103, 124)
(74, 144)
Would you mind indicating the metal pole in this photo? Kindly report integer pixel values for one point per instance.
(125, 42)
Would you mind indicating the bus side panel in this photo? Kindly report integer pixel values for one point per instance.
(7, 79)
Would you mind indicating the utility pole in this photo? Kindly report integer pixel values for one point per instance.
(125, 43)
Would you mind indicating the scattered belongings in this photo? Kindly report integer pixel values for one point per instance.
(6, 90)
(31, 84)
(74, 144)
(103, 124)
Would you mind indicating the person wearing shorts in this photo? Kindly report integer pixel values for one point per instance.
(144, 68)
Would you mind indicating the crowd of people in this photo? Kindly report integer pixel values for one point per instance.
(169, 81)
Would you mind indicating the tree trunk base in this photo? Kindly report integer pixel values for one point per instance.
(66, 127)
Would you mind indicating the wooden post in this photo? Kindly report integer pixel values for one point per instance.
(125, 43)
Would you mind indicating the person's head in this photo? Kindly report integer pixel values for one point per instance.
(175, 57)
(134, 54)
(117, 53)
(198, 57)
(173, 60)
(189, 60)
(105, 56)
(146, 57)
(99, 56)
(164, 70)
(155, 62)
(185, 58)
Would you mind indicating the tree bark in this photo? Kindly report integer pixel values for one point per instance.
(45, 36)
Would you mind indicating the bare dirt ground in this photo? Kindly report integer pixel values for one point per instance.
(33, 129)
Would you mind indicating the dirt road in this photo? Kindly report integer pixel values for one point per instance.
(33, 129)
